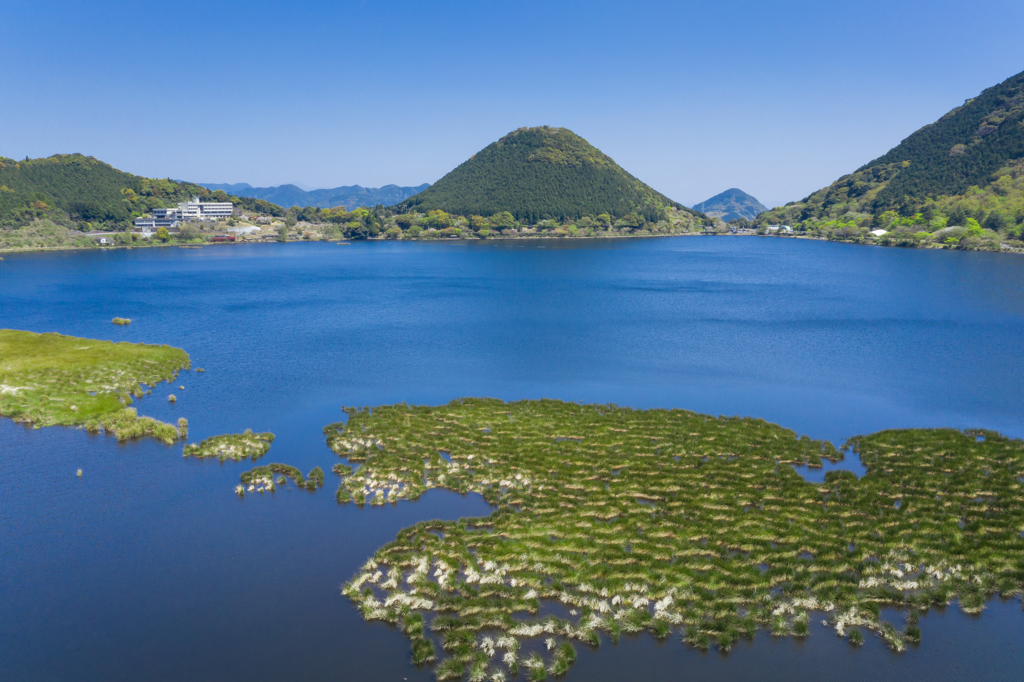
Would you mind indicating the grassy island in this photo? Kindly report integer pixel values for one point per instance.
(49, 379)
(236, 446)
(667, 520)
(262, 478)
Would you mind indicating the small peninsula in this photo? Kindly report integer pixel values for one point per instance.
(50, 379)
(667, 520)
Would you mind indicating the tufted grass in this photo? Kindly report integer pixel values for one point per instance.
(660, 520)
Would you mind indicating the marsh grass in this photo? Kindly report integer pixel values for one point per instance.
(121, 321)
(234, 446)
(652, 520)
(126, 424)
(50, 379)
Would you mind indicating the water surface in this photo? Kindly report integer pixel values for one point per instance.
(149, 566)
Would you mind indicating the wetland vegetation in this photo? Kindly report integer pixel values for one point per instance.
(262, 478)
(235, 446)
(666, 521)
(50, 379)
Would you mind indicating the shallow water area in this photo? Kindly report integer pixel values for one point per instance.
(149, 566)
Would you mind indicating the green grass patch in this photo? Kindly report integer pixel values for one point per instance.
(657, 520)
(235, 446)
(50, 379)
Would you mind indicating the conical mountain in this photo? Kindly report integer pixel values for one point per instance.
(731, 204)
(536, 173)
(968, 164)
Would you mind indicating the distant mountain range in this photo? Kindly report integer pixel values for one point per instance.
(731, 204)
(538, 173)
(350, 197)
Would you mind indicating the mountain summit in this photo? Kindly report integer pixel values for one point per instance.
(537, 173)
(731, 204)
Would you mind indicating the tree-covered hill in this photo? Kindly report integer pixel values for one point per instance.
(80, 192)
(730, 205)
(541, 173)
(964, 171)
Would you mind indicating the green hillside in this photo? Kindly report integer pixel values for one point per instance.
(541, 173)
(75, 193)
(956, 182)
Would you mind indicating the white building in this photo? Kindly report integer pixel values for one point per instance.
(187, 211)
(156, 223)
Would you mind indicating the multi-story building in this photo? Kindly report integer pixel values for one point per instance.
(187, 211)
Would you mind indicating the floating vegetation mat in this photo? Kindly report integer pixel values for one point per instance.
(667, 520)
(236, 446)
(48, 379)
(262, 478)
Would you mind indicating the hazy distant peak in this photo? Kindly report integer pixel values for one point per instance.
(349, 196)
(731, 204)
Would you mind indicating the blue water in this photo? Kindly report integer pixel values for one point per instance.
(149, 567)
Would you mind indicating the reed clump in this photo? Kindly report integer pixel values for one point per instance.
(661, 520)
(234, 446)
(127, 424)
(121, 321)
(264, 475)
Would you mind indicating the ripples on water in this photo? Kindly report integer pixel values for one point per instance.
(150, 567)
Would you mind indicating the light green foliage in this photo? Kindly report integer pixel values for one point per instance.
(236, 446)
(52, 379)
(127, 424)
(122, 321)
(654, 519)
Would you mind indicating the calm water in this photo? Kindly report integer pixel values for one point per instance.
(150, 567)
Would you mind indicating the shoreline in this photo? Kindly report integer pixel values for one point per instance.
(930, 247)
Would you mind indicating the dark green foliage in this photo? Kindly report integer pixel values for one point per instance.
(82, 192)
(961, 149)
(315, 479)
(537, 173)
(422, 651)
(234, 446)
(267, 470)
(968, 165)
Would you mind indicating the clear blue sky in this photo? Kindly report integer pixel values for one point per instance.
(776, 98)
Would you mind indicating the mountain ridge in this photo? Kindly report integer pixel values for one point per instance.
(958, 182)
(349, 196)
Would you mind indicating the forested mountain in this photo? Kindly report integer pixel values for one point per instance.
(349, 196)
(965, 170)
(730, 205)
(539, 173)
(81, 193)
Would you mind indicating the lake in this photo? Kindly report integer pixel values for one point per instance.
(150, 567)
